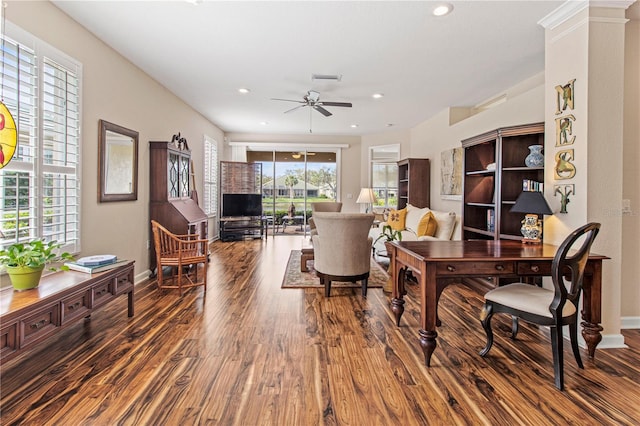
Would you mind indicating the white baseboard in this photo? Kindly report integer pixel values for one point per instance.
(142, 276)
(611, 341)
(629, 322)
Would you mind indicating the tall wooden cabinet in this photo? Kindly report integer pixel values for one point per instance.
(170, 192)
(414, 183)
(494, 171)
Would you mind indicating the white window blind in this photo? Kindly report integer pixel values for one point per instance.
(39, 188)
(210, 177)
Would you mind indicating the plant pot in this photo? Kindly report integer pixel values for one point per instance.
(24, 277)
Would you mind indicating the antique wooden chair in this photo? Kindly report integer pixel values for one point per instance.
(553, 308)
(342, 248)
(183, 254)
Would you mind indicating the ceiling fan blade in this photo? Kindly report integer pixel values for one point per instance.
(322, 110)
(294, 108)
(337, 104)
(288, 100)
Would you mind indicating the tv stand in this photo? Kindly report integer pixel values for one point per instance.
(240, 228)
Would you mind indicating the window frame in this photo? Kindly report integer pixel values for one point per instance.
(211, 165)
(390, 161)
(59, 165)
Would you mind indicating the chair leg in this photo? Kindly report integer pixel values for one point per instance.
(485, 319)
(514, 326)
(365, 283)
(558, 360)
(327, 287)
(573, 335)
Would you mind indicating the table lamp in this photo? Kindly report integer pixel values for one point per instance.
(533, 204)
(367, 197)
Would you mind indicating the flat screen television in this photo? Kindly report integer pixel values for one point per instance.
(241, 205)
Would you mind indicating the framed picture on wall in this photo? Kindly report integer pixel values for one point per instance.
(451, 174)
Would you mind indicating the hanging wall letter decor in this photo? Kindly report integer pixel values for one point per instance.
(564, 98)
(565, 169)
(564, 191)
(564, 130)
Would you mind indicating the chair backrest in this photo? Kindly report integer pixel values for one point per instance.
(571, 265)
(326, 206)
(342, 245)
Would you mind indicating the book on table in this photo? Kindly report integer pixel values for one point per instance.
(74, 266)
(97, 260)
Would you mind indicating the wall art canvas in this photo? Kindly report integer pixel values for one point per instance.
(451, 174)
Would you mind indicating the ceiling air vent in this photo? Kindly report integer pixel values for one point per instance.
(332, 77)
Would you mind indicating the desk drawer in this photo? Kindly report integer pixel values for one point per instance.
(76, 305)
(101, 293)
(534, 268)
(8, 339)
(39, 325)
(477, 268)
(122, 283)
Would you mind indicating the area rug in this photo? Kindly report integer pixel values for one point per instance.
(293, 278)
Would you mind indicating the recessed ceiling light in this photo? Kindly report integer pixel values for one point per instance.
(354, 126)
(377, 95)
(442, 9)
(264, 123)
(243, 90)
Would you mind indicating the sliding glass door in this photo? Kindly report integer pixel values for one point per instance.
(291, 181)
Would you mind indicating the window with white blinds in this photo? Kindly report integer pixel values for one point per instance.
(40, 188)
(210, 177)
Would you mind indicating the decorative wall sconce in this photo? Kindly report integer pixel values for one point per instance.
(564, 191)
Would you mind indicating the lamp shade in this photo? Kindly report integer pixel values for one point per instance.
(531, 202)
(366, 196)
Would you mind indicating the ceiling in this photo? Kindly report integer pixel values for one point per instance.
(205, 52)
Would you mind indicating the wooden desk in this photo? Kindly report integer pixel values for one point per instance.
(436, 264)
(28, 317)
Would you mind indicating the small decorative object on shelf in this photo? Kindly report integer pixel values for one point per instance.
(533, 204)
(535, 157)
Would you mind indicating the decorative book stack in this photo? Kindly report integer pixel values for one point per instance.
(97, 263)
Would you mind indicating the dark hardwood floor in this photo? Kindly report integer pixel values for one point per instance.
(255, 354)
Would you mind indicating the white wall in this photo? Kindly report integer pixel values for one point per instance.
(115, 90)
(630, 308)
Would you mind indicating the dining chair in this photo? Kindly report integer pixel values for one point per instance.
(555, 307)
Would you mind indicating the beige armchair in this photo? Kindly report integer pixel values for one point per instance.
(342, 248)
(323, 206)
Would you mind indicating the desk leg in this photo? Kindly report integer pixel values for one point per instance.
(591, 310)
(397, 302)
(428, 343)
(429, 295)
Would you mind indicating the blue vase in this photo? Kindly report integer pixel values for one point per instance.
(535, 157)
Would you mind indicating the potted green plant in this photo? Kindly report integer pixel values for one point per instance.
(389, 234)
(24, 262)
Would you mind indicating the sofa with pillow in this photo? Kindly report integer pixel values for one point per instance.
(416, 224)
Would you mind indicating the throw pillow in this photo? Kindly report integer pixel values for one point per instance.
(396, 219)
(428, 225)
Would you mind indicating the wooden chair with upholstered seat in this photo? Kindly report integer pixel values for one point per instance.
(555, 307)
(182, 254)
(342, 248)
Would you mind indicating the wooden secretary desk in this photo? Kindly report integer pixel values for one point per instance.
(170, 201)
